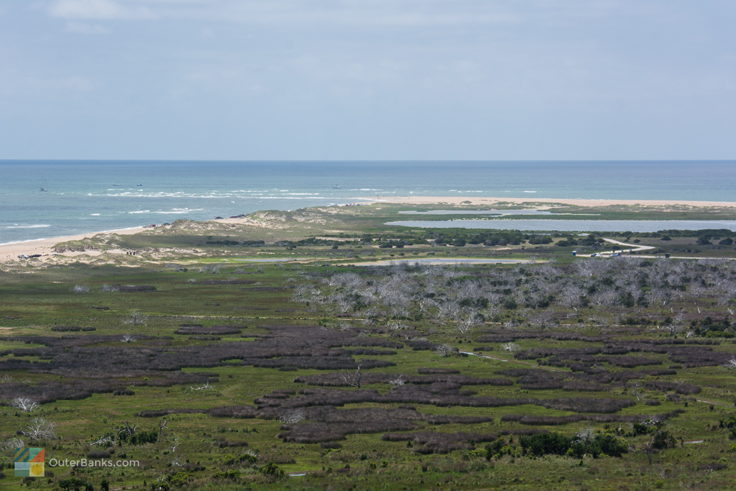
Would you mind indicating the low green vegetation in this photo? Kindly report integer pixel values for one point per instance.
(225, 356)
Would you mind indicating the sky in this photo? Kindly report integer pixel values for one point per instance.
(368, 79)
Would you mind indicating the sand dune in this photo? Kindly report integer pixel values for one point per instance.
(459, 200)
(11, 251)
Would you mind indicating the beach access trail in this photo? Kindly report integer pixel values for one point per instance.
(43, 249)
(631, 248)
(639, 248)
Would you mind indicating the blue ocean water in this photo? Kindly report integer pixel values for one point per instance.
(51, 198)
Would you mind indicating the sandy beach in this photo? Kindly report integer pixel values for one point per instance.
(11, 251)
(489, 201)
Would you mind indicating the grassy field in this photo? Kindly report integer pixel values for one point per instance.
(219, 362)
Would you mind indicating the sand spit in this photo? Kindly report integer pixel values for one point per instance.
(44, 248)
(489, 201)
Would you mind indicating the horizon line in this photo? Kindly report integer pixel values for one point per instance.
(5, 160)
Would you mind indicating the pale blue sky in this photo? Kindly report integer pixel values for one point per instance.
(368, 79)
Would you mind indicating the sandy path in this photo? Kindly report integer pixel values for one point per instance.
(459, 200)
(11, 251)
(639, 248)
(631, 248)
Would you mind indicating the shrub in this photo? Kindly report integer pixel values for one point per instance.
(75, 483)
(248, 458)
(597, 445)
(579, 446)
(642, 428)
(729, 423)
(663, 439)
(545, 443)
(128, 433)
(271, 470)
(498, 448)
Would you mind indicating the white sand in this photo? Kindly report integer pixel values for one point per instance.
(459, 200)
(11, 251)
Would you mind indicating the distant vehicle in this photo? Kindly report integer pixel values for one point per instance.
(595, 254)
(574, 253)
(615, 254)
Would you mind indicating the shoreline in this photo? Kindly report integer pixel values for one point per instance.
(583, 202)
(64, 238)
(10, 251)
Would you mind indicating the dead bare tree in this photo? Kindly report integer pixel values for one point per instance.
(453, 298)
(12, 444)
(104, 441)
(137, 319)
(397, 382)
(40, 429)
(204, 387)
(292, 417)
(24, 404)
(445, 350)
(511, 347)
(352, 379)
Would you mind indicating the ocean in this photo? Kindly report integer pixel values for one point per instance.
(41, 199)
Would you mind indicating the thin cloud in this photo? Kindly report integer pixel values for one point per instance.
(368, 13)
(86, 28)
(98, 10)
(394, 13)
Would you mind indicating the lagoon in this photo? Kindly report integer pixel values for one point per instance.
(534, 225)
(449, 261)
